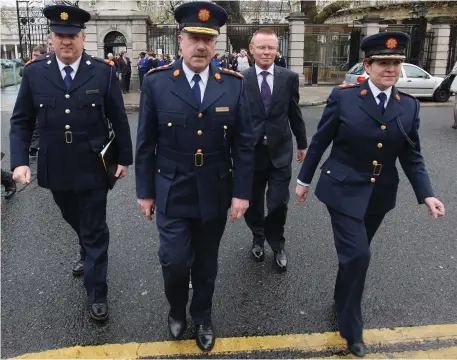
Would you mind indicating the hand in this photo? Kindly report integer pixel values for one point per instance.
(121, 171)
(239, 207)
(22, 174)
(435, 207)
(147, 207)
(301, 192)
(301, 155)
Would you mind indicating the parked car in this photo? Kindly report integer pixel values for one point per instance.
(413, 80)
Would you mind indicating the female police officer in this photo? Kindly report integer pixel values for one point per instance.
(371, 125)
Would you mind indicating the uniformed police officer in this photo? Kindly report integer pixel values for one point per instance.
(71, 94)
(371, 125)
(194, 157)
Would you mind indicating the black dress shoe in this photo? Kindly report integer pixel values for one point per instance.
(258, 252)
(78, 269)
(357, 348)
(10, 190)
(205, 337)
(177, 327)
(281, 260)
(99, 311)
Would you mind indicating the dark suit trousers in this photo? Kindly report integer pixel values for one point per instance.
(86, 213)
(271, 227)
(126, 81)
(189, 248)
(352, 241)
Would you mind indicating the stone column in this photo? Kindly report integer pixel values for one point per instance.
(16, 53)
(370, 26)
(296, 47)
(441, 33)
(221, 45)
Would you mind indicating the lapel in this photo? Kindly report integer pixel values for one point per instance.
(251, 79)
(182, 88)
(393, 108)
(52, 73)
(213, 90)
(278, 82)
(368, 103)
(84, 73)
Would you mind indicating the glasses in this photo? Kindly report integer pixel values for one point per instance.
(264, 47)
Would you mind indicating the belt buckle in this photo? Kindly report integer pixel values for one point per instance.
(377, 172)
(198, 158)
(68, 137)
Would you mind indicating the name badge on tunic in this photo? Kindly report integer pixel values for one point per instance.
(222, 109)
(95, 91)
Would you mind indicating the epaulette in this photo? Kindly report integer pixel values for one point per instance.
(346, 86)
(404, 93)
(235, 73)
(163, 67)
(38, 59)
(104, 61)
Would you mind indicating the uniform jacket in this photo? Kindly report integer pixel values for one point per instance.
(360, 175)
(173, 129)
(73, 125)
(284, 115)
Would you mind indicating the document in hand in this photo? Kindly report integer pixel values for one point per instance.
(110, 160)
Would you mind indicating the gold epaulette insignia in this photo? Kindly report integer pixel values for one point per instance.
(228, 71)
(157, 69)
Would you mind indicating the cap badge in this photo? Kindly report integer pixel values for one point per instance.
(203, 15)
(64, 16)
(391, 43)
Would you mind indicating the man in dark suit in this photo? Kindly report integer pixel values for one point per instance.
(71, 94)
(273, 99)
(125, 67)
(194, 158)
(280, 60)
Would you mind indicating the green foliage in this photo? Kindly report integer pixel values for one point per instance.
(330, 10)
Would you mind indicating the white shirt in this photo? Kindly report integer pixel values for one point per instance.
(74, 66)
(243, 63)
(204, 75)
(270, 76)
(375, 91)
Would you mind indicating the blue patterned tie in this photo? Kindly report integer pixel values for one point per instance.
(382, 101)
(196, 89)
(68, 79)
(265, 91)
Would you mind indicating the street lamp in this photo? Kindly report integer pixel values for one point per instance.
(418, 12)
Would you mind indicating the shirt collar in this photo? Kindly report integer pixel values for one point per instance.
(375, 91)
(74, 66)
(270, 70)
(190, 74)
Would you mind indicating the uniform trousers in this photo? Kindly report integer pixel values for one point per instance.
(85, 211)
(352, 241)
(189, 248)
(270, 227)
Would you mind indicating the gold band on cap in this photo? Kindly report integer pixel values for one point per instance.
(200, 30)
(395, 57)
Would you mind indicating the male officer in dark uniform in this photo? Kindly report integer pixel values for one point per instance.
(194, 157)
(371, 125)
(71, 94)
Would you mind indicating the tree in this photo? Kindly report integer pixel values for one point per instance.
(160, 12)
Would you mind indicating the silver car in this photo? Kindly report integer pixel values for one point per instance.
(413, 80)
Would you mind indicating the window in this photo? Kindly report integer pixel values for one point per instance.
(415, 73)
(357, 69)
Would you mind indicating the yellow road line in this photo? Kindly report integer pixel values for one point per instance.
(302, 342)
(442, 353)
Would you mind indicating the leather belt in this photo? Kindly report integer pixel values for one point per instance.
(197, 159)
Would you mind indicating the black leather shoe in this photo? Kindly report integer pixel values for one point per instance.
(10, 190)
(281, 260)
(176, 327)
(78, 269)
(205, 337)
(357, 348)
(99, 311)
(258, 253)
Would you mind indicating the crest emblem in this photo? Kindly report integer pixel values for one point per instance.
(63, 16)
(217, 76)
(397, 97)
(391, 43)
(176, 73)
(203, 15)
(364, 92)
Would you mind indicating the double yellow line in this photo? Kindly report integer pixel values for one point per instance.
(303, 343)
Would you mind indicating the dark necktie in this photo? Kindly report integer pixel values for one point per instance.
(382, 101)
(196, 89)
(68, 79)
(265, 91)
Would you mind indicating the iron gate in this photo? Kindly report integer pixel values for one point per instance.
(163, 39)
(33, 25)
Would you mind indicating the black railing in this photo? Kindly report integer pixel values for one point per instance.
(163, 39)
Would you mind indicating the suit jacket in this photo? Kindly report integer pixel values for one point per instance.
(125, 66)
(192, 159)
(73, 126)
(360, 175)
(283, 116)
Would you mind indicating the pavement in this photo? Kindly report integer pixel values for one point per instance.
(409, 303)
